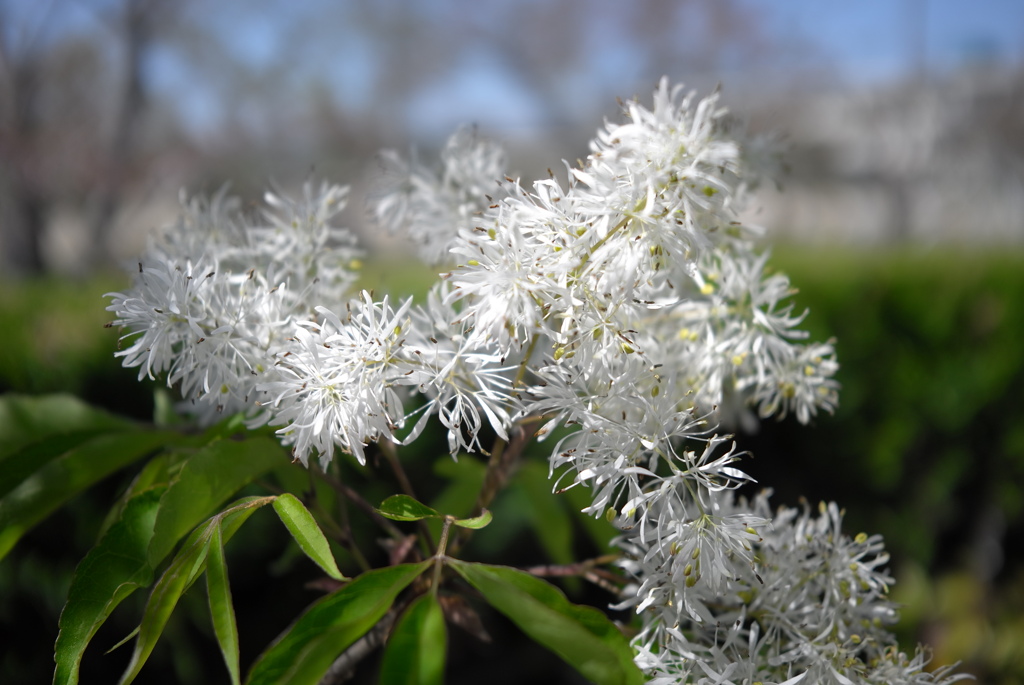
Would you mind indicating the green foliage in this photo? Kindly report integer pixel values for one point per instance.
(205, 481)
(475, 522)
(222, 611)
(27, 420)
(405, 508)
(113, 569)
(303, 653)
(416, 651)
(187, 565)
(52, 448)
(307, 533)
(121, 563)
(184, 569)
(580, 635)
(927, 447)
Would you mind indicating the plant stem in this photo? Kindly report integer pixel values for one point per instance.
(576, 569)
(344, 666)
(390, 452)
(361, 504)
(440, 557)
(500, 467)
(588, 570)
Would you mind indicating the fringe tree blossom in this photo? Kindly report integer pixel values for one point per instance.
(216, 294)
(337, 381)
(430, 205)
(801, 602)
(626, 308)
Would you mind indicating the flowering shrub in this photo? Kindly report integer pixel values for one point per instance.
(624, 317)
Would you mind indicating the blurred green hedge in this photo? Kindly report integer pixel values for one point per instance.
(927, 446)
(54, 340)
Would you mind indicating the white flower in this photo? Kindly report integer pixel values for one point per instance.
(460, 379)
(508, 274)
(430, 206)
(675, 167)
(627, 309)
(812, 607)
(303, 249)
(686, 553)
(215, 296)
(337, 382)
(203, 328)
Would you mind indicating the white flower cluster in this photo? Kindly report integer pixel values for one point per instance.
(218, 293)
(626, 309)
(432, 207)
(798, 601)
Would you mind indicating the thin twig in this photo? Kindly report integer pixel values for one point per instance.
(500, 467)
(576, 569)
(503, 459)
(390, 453)
(343, 535)
(344, 667)
(440, 558)
(362, 504)
(346, 530)
(588, 570)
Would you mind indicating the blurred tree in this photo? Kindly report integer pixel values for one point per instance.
(135, 22)
(554, 46)
(73, 103)
(23, 208)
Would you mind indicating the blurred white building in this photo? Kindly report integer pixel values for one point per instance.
(929, 161)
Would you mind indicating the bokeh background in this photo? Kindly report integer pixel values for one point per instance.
(899, 215)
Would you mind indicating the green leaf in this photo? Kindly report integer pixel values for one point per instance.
(405, 508)
(205, 482)
(465, 478)
(307, 533)
(304, 653)
(111, 571)
(21, 463)
(184, 569)
(548, 515)
(62, 478)
(27, 420)
(222, 612)
(123, 641)
(235, 514)
(582, 636)
(415, 653)
(156, 473)
(476, 522)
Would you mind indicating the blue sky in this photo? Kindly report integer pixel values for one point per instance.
(853, 42)
(861, 42)
(875, 39)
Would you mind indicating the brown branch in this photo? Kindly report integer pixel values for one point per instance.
(588, 570)
(344, 667)
(361, 504)
(576, 569)
(390, 452)
(500, 467)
